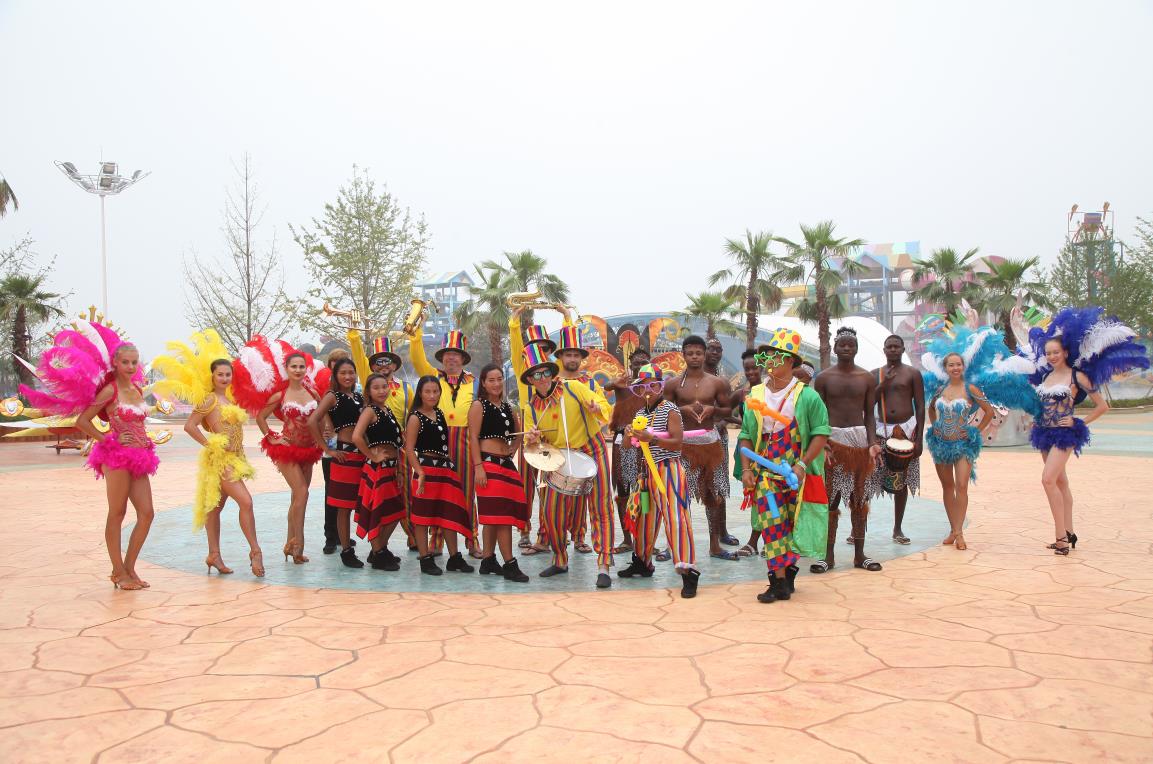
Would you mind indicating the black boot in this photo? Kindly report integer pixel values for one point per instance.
(636, 568)
(689, 579)
(768, 595)
(429, 567)
(350, 560)
(791, 576)
(489, 565)
(384, 560)
(512, 572)
(456, 563)
(780, 587)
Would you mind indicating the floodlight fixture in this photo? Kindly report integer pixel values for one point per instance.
(107, 182)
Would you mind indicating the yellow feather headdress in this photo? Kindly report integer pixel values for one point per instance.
(188, 370)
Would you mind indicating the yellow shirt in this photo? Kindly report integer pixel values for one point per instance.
(577, 401)
(455, 412)
(400, 392)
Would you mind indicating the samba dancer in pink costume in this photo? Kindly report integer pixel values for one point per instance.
(91, 371)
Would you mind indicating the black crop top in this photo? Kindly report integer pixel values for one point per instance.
(346, 411)
(385, 431)
(432, 438)
(496, 421)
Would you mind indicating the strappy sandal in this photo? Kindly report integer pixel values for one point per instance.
(820, 566)
(256, 562)
(583, 548)
(902, 539)
(532, 549)
(725, 554)
(868, 564)
(622, 548)
(959, 543)
(1062, 550)
(746, 551)
(524, 543)
(664, 556)
(850, 540)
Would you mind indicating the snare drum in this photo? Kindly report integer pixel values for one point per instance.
(575, 477)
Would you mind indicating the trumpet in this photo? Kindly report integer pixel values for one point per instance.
(417, 315)
(355, 319)
(531, 301)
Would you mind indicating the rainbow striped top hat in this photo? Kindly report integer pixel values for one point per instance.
(538, 335)
(382, 346)
(455, 340)
(536, 358)
(570, 339)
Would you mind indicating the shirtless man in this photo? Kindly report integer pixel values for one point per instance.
(900, 396)
(714, 351)
(704, 401)
(624, 460)
(848, 391)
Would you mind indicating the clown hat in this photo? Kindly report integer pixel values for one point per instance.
(455, 340)
(538, 335)
(786, 340)
(570, 339)
(534, 359)
(649, 373)
(382, 346)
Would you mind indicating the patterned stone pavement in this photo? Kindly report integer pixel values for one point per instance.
(1004, 652)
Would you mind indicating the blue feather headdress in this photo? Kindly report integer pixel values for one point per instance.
(1002, 376)
(1098, 347)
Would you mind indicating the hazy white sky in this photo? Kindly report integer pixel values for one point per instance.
(621, 140)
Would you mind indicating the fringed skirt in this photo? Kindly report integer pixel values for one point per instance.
(950, 451)
(110, 454)
(1065, 438)
(217, 465)
(442, 503)
(502, 500)
(379, 501)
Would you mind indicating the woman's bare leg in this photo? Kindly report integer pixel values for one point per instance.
(140, 494)
(945, 475)
(116, 484)
(238, 492)
(1055, 461)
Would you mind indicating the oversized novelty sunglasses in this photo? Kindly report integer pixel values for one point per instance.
(652, 386)
(541, 374)
(383, 362)
(771, 359)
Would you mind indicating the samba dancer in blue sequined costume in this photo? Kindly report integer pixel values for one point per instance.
(964, 374)
(1077, 353)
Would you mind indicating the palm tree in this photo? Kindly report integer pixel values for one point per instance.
(810, 260)
(527, 272)
(7, 197)
(486, 312)
(945, 279)
(750, 287)
(1004, 284)
(712, 307)
(25, 304)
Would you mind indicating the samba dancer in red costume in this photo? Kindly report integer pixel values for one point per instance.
(275, 378)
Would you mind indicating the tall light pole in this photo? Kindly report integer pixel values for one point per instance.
(107, 182)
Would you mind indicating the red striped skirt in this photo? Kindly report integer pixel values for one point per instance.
(343, 484)
(442, 503)
(502, 500)
(379, 502)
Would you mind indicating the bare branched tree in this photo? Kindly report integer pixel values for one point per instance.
(241, 293)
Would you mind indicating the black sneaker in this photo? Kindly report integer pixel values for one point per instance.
(689, 579)
(429, 567)
(350, 560)
(552, 570)
(489, 565)
(604, 581)
(512, 572)
(457, 564)
(636, 568)
(331, 548)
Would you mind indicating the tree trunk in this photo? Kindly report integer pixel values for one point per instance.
(20, 347)
(494, 345)
(822, 302)
(1007, 328)
(754, 305)
(710, 328)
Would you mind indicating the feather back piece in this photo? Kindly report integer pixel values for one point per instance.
(258, 372)
(1000, 375)
(75, 368)
(1099, 347)
(187, 369)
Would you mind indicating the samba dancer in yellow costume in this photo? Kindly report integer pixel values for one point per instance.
(202, 375)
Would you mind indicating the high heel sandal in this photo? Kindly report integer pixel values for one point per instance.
(288, 548)
(1069, 537)
(1061, 550)
(215, 561)
(128, 586)
(298, 557)
(256, 561)
(950, 539)
(959, 542)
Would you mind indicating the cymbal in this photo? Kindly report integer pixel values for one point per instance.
(544, 457)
